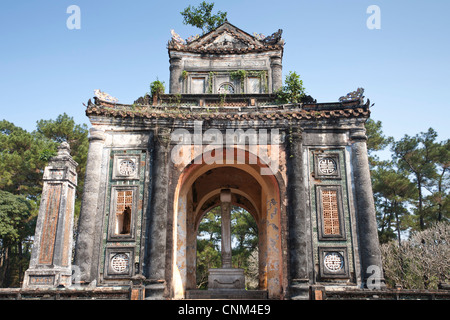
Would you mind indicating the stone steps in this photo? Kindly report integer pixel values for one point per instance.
(224, 294)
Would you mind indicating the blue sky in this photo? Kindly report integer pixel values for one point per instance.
(47, 69)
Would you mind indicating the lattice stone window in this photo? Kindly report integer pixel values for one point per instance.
(333, 262)
(120, 263)
(330, 213)
(126, 167)
(327, 166)
(226, 88)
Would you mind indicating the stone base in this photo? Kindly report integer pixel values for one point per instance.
(299, 291)
(226, 278)
(154, 291)
(47, 278)
(231, 294)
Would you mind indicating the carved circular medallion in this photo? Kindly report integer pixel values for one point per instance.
(333, 261)
(119, 263)
(327, 166)
(226, 88)
(127, 167)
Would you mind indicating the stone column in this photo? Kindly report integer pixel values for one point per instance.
(365, 211)
(299, 222)
(84, 253)
(225, 206)
(277, 72)
(51, 257)
(157, 220)
(226, 277)
(175, 75)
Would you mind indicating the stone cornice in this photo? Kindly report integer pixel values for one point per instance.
(291, 112)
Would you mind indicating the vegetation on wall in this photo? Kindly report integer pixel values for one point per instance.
(241, 75)
(210, 81)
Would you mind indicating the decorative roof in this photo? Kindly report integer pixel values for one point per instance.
(227, 38)
(313, 111)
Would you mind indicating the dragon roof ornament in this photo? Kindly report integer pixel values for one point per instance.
(176, 37)
(104, 96)
(354, 95)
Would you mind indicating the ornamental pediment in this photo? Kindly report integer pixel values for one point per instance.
(226, 38)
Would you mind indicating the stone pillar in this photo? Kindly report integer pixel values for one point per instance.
(226, 277)
(365, 211)
(51, 257)
(157, 220)
(277, 72)
(175, 75)
(299, 221)
(84, 253)
(225, 206)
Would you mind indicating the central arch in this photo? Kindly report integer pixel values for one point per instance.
(198, 190)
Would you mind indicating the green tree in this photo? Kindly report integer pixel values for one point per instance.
(393, 191)
(376, 140)
(23, 156)
(292, 91)
(16, 226)
(438, 201)
(201, 17)
(417, 156)
(64, 129)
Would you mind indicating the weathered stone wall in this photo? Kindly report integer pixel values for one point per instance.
(212, 71)
(316, 177)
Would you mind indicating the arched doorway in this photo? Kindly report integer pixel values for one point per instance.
(198, 190)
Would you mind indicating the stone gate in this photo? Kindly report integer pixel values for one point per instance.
(156, 166)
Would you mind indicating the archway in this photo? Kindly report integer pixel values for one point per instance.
(198, 190)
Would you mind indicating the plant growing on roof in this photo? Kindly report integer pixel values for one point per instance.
(292, 91)
(157, 88)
